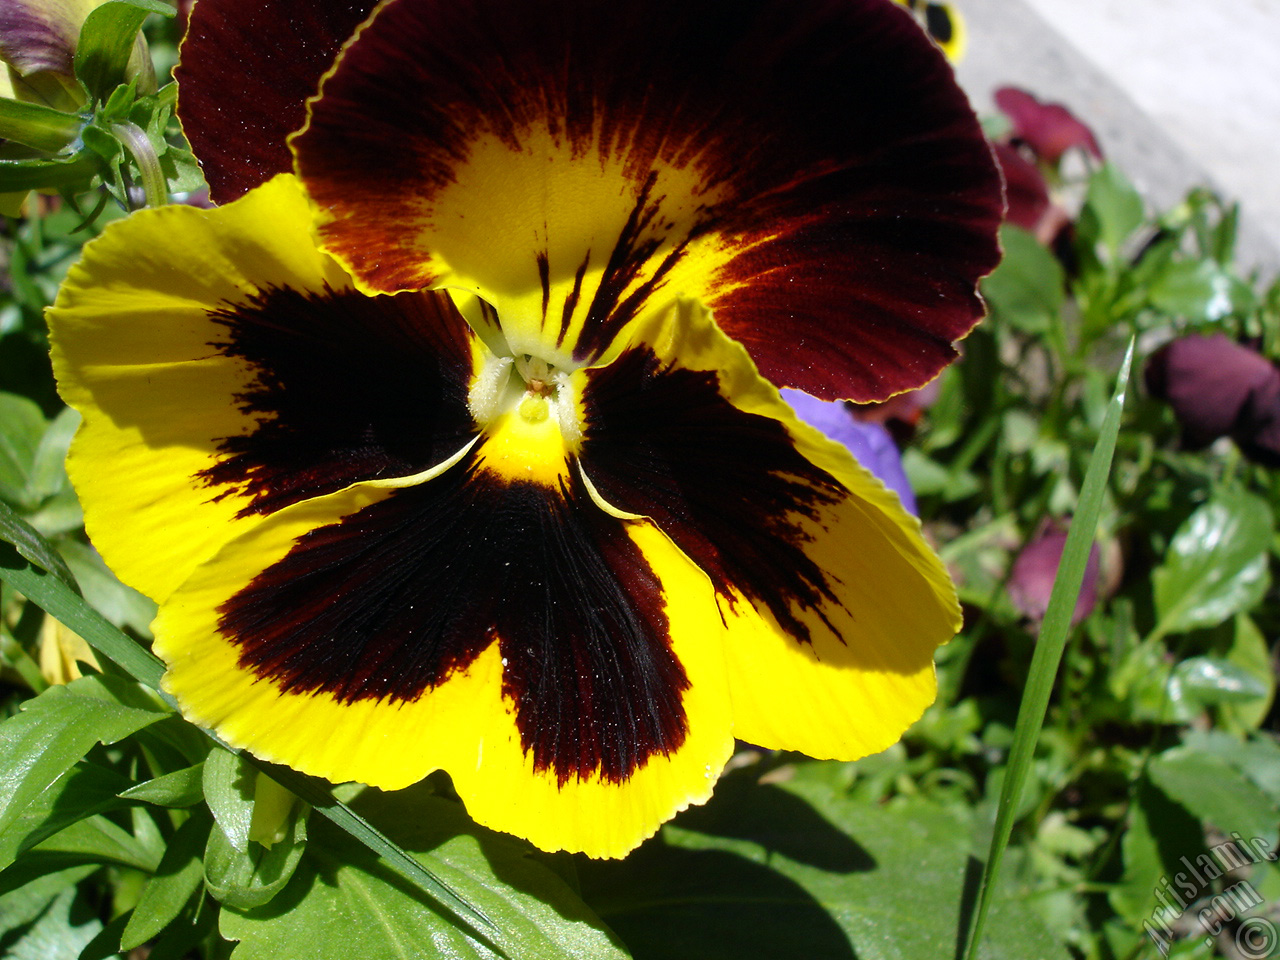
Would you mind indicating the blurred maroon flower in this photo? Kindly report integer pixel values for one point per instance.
(1049, 129)
(1026, 192)
(1219, 388)
(1031, 580)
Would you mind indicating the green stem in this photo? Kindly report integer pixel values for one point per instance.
(38, 126)
(138, 144)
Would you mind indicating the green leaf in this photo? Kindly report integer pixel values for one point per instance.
(250, 878)
(798, 868)
(1198, 682)
(37, 126)
(1048, 652)
(176, 880)
(21, 427)
(31, 546)
(98, 840)
(107, 41)
(1159, 832)
(48, 470)
(73, 173)
(83, 791)
(1215, 791)
(58, 599)
(1113, 209)
(1249, 652)
(343, 903)
(228, 787)
(1216, 564)
(1199, 290)
(102, 589)
(55, 597)
(48, 920)
(1027, 289)
(180, 788)
(239, 871)
(53, 732)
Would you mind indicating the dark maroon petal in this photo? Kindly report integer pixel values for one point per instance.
(1026, 193)
(1033, 574)
(247, 69)
(855, 199)
(1049, 129)
(1215, 386)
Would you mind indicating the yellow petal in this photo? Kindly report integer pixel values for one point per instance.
(833, 601)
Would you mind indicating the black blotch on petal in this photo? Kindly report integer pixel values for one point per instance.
(347, 388)
(395, 599)
(725, 485)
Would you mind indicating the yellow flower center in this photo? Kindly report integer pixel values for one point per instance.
(528, 412)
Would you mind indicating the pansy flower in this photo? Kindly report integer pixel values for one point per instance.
(487, 477)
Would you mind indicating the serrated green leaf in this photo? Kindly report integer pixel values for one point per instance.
(1214, 791)
(343, 903)
(52, 733)
(180, 788)
(1216, 564)
(175, 882)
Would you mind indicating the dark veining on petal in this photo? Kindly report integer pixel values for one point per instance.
(544, 278)
(571, 301)
(642, 238)
(856, 200)
(33, 43)
(346, 388)
(396, 598)
(725, 485)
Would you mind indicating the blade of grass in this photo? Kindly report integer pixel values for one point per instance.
(56, 598)
(1048, 653)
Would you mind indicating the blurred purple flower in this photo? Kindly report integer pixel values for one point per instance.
(1031, 580)
(870, 443)
(1219, 388)
(1049, 129)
